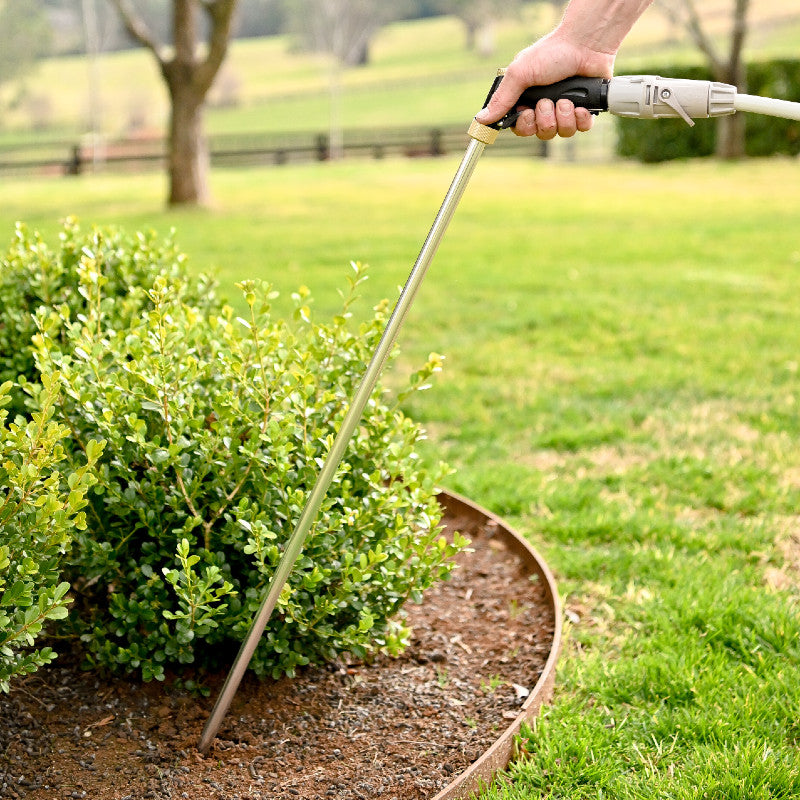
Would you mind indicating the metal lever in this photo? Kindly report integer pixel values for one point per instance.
(480, 136)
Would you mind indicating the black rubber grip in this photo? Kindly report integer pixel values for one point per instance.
(591, 93)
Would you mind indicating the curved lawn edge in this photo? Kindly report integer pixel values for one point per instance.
(481, 772)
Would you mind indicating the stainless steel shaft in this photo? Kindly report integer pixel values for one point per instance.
(480, 136)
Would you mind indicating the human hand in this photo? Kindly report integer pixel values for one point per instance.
(551, 59)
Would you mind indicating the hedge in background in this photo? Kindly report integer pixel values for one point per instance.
(665, 139)
(34, 275)
(215, 429)
(40, 510)
(771, 135)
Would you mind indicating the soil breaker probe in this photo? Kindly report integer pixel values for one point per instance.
(640, 96)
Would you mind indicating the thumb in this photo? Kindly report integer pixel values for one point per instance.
(503, 100)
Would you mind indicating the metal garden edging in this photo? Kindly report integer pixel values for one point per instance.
(481, 772)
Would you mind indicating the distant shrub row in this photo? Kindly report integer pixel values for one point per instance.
(162, 450)
(666, 139)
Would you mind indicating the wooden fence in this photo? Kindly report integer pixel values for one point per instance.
(138, 154)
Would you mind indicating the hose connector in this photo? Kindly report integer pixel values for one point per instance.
(654, 97)
(483, 133)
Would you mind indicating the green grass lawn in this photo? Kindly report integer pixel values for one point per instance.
(621, 383)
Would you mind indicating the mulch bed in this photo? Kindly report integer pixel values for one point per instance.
(398, 728)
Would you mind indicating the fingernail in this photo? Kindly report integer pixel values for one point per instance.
(563, 105)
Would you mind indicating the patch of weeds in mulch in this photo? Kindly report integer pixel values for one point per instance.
(398, 728)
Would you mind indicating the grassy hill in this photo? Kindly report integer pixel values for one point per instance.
(420, 73)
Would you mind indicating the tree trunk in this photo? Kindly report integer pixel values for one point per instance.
(731, 130)
(360, 56)
(188, 71)
(484, 39)
(471, 29)
(188, 151)
(730, 139)
(188, 148)
(730, 142)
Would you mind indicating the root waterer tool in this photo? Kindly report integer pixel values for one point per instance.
(641, 96)
(651, 97)
(480, 136)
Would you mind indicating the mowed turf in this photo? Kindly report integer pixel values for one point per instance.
(621, 383)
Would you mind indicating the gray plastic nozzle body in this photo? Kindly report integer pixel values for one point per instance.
(654, 97)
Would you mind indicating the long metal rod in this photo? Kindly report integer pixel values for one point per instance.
(295, 544)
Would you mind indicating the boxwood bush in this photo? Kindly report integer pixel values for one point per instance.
(40, 510)
(33, 274)
(215, 427)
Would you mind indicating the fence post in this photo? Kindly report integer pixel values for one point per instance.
(544, 148)
(436, 143)
(323, 148)
(75, 162)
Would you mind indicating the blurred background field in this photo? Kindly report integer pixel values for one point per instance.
(419, 73)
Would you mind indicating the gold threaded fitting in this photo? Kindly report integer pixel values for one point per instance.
(483, 133)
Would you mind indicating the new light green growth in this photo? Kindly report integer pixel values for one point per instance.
(215, 428)
(40, 511)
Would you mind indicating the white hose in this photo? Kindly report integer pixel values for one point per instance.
(767, 105)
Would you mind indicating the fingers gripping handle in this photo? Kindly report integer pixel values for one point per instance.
(591, 93)
(638, 96)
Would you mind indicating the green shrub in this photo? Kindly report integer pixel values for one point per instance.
(39, 512)
(32, 275)
(215, 429)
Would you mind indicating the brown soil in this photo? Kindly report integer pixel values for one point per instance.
(395, 728)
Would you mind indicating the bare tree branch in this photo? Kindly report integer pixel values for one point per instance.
(139, 30)
(184, 34)
(220, 13)
(702, 40)
(684, 13)
(739, 30)
(341, 28)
